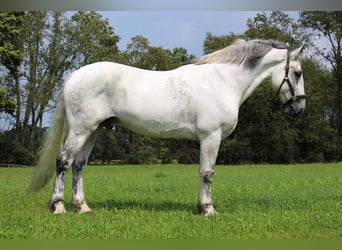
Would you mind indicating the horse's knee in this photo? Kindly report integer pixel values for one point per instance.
(207, 175)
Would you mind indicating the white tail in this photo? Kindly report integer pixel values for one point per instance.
(53, 143)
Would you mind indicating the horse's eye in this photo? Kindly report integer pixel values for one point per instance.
(298, 74)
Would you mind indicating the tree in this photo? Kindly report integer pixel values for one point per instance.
(12, 152)
(107, 147)
(90, 39)
(56, 45)
(11, 57)
(46, 63)
(178, 56)
(159, 58)
(329, 25)
(318, 137)
(6, 104)
(36, 24)
(213, 43)
(262, 110)
(38, 49)
(11, 49)
(278, 25)
(140, 54)
(136, 53)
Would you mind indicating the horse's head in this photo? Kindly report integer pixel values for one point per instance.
(288, 80)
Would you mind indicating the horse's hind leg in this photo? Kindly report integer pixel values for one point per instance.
(65, 158)
(80, 162)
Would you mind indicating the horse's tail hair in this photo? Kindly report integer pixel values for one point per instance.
(50, 148)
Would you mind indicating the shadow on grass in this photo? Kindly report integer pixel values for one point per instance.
(165, 206)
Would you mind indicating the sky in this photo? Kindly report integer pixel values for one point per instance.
(171, 29)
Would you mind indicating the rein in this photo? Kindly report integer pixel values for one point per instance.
(287, 80)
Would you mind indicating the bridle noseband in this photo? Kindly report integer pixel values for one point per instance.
(287, 80)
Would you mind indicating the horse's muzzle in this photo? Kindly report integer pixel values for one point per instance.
(295, 106)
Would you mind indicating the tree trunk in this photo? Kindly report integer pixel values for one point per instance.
(337, 70)
(18, 108)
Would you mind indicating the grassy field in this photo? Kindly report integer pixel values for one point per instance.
(159, 202)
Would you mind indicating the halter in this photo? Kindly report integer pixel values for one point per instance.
(287, 80)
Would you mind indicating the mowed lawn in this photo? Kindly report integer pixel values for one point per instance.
(159, 202)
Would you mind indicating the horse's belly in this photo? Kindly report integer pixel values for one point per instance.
(182, 132)
(161, 129)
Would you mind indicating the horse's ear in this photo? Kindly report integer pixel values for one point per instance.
(298, 51)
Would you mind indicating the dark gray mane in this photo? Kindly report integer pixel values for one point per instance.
(247, 53)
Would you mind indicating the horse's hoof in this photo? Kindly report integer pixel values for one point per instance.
(58, 208)
(82, 207)
(210, 212)
(206, 210)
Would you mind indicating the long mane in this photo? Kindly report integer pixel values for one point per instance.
(241, 52)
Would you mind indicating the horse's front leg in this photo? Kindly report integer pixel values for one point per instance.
(208, 153)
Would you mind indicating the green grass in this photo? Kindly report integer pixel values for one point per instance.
(159, 202)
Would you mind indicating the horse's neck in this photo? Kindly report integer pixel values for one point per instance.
(262, 71)
(251, 85)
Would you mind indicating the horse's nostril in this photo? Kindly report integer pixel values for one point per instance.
(289, 110)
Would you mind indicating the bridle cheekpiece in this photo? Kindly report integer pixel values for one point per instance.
(287, 80)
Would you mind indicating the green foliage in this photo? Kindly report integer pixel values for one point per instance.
(13, 152)
(11, 47)
(213, 43)
(317, 133)
(90, 39)
(164, 153)
(178, 56)
(141, 150)
(159, 202)
(329, 25)
(277, 25)
(140, 54)
(6, 104)
(107, 148)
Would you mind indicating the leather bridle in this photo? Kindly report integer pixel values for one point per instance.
(287, 80)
